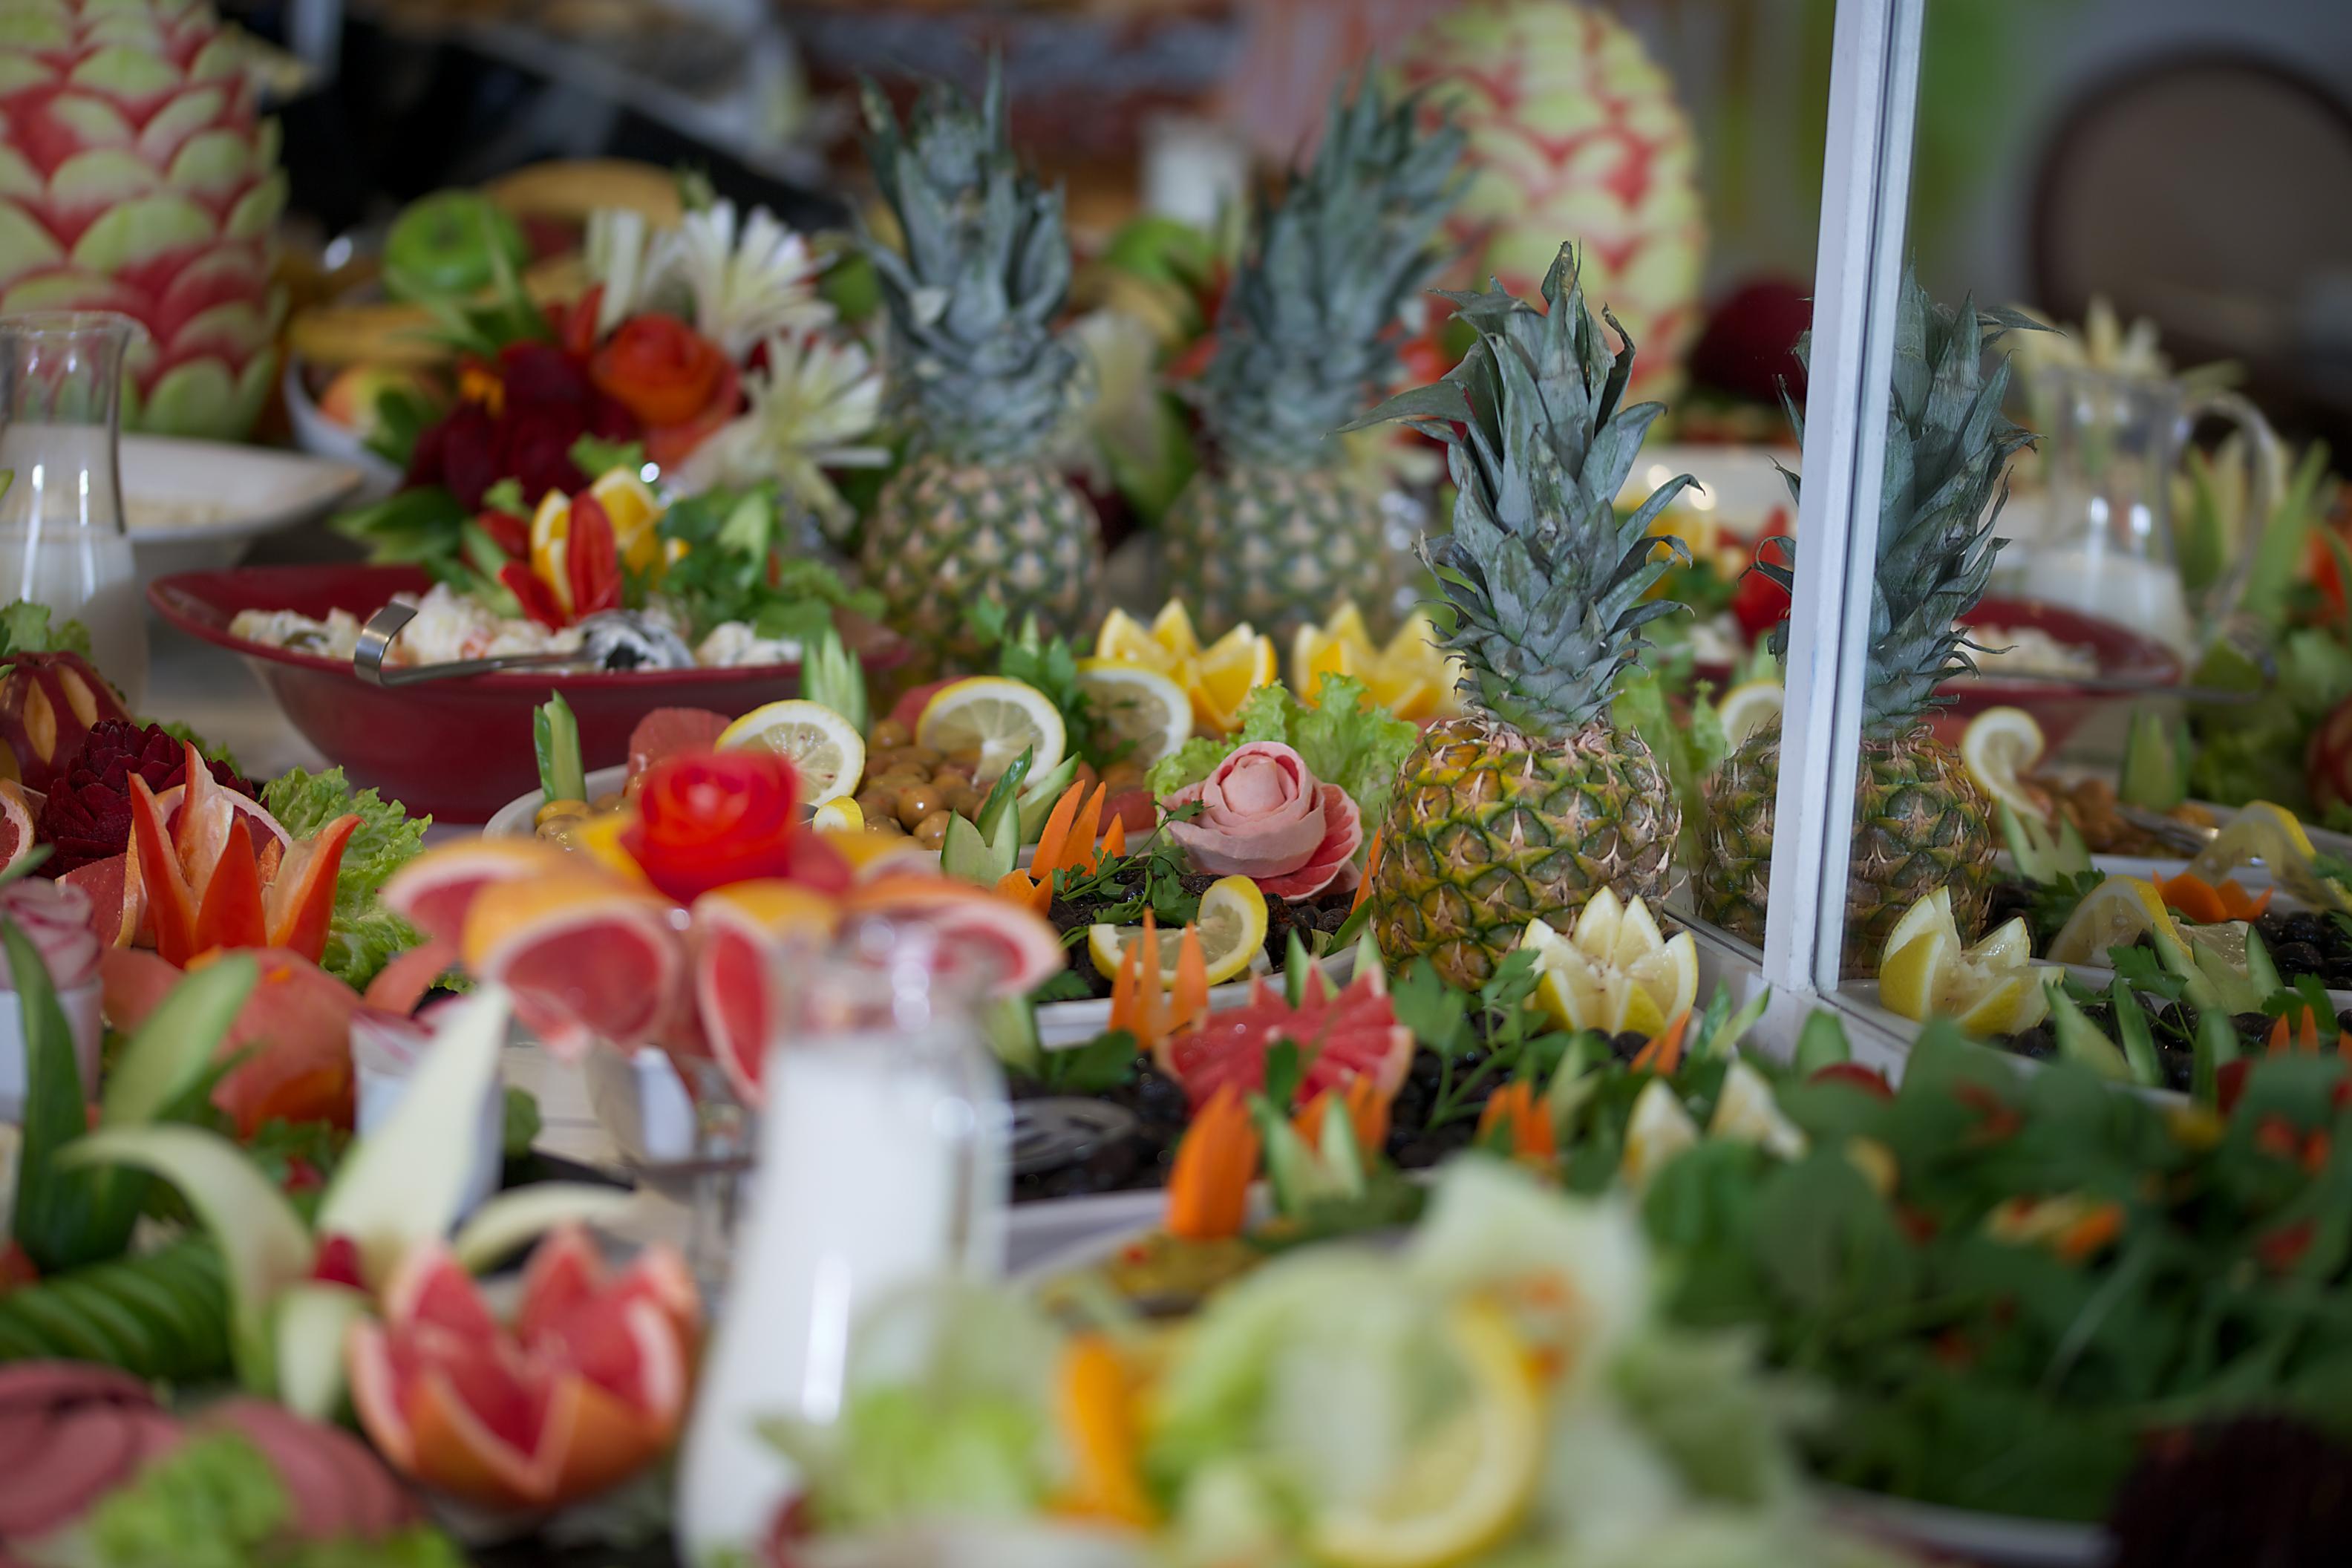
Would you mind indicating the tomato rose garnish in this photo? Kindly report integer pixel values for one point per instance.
(710, 819)
(659, 369)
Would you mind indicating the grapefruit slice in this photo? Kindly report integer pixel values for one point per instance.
(667, 732)
(115, 906)
(741, 936)
(586, 958)
(17, 836)
(1339, 1038)
(435, 891)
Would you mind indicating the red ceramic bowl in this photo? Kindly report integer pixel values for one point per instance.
(457, 749)
(2122, 655)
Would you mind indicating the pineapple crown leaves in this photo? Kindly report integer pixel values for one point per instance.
(1947, 450)
(1307, 333)
(1548, 584)
(979, 372)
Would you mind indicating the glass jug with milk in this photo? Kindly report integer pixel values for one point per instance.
(2110, 446)
(880, 1164)
(63, 540)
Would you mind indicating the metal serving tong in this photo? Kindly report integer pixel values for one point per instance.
(375, 641)
(644, 647)
(2189, 838)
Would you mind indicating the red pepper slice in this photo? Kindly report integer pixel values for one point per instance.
(508, 532)
(537, 599)
(170, 905)
(592, 558)
(230, 915)
(302, 903)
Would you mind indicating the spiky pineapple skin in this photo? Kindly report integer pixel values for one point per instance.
(1492, 830)
(137, 177)
(1274, 546)
(1919, 823)
(944, 534)
(1574, 132)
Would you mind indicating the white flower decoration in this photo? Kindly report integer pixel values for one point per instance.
(748, 282)
(809, 411)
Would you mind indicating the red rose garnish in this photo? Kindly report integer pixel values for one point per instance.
(547, 402)
(713, 818)
(659, 369)
(88, 814)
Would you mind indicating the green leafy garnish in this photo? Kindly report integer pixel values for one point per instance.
(364, 936)
(596, 457)
(735, 568)
(217, 1502)
(1342, 741)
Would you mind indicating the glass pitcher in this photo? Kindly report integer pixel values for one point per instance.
(880, 1164)
(63, 540)
(2111, 448)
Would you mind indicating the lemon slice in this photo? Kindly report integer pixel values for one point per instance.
(1233, 933)
(1616, 973)
(1225, 674)
(2115, 912)
(1137, 704)
(551, 532)
(1171, 628)
(841, 814)
(1933, 912)
(823, 748)
(1747, 707)
(2000, 744)
(2274, 836)
(2013, 1004)
(998, 718)
(1340, 645)
(1461, 1491)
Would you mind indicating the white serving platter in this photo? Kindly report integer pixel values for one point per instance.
(198, 506)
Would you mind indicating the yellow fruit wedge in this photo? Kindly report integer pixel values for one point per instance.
(1616, 972)
(998, 718)
(2116, 913)
(551, 532)
(1141, 707)
(825, 750)
(1232, 923)
(1463, 1489)
(1747, 707)
(636, 513)
(2274, 836)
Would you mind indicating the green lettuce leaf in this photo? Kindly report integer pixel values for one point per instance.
(1343, 742)
(364, 936)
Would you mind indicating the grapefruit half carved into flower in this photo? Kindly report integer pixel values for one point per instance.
(584, 1389)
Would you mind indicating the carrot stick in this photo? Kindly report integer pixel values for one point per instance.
(2310, 1040)
(1096, 1407)
(1309, 1122)
(1031, 893)
(1208, 1188)
(2278, 1040)
(1663, 1054)
(2195, 897)
(1126, 992)
(1371, 864)
(1047, 859)
(1078, 849)
(1114, 840)
(2254, 907)
(1190, 1002)
(1368, 1105)
(1150, 995)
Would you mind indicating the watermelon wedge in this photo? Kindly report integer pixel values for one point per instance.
(1339, 1036)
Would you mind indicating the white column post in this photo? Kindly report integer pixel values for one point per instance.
(1865, 192)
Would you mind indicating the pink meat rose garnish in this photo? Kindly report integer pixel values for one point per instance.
(1264, 816)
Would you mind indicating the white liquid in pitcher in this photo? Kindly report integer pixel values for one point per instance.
(2141, 594)
(862, 1187)
(81, 573)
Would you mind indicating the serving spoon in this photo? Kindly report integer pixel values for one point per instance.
(600, 634)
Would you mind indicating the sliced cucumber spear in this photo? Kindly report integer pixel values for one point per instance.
(555, 735)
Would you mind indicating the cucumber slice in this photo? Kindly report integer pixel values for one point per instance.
(140, 1349)
(555, 735)
(63, 1330)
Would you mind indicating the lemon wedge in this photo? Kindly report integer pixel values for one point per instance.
(1461, 1490)
(1616, 972)
(2119, 910)
(2274, 835)
(824, 748)
(1232, 923)
(998, 718)
(1927, 973)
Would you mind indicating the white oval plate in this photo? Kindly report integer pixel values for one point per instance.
(230, 496)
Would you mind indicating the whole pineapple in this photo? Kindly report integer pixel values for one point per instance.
(1536, 799)
(1282, 523)
(138, 177)
(1919, 822)
(980, 382)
